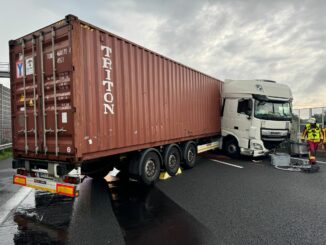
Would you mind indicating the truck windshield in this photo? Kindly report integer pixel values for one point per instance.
(271, 110)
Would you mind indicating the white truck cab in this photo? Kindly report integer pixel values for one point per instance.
(256, 116)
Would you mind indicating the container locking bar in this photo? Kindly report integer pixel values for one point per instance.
(55, 94)
(24, 84)
(43, 94)
(34, 97)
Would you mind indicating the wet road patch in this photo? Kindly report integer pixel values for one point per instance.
(148, 216)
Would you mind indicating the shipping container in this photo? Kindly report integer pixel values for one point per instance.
(80, 93)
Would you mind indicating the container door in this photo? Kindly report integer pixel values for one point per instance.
(41, 89)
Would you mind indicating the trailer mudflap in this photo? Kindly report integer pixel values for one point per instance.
(46, 185)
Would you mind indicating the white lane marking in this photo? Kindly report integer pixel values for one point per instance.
(13, 202)
(307, 160)
(226, 163)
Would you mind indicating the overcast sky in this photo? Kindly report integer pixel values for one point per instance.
(278, 40)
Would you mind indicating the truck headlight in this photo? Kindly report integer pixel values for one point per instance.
(257, 146)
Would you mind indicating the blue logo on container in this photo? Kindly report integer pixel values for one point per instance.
(19, 69)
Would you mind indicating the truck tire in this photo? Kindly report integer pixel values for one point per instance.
(172, 158)
(231, 148)
(149, 167)
(189, 154)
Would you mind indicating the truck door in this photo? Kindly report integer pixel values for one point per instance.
(242, 121)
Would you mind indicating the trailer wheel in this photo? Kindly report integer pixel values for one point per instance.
(189, 154)
(150, 167)
(231, 148)
(172, 158)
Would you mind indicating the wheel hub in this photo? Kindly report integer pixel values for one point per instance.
(150, 168)
(232, 148)
(172, 161)
(191, 155)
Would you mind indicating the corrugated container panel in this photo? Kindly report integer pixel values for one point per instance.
(110, 95)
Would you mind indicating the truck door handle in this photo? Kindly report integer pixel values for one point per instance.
(236, 127)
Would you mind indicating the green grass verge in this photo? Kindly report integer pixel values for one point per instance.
(5, 154)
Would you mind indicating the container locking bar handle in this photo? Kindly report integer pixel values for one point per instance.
(24, 84)
(43, 95)
(34, 97)
(55, 95)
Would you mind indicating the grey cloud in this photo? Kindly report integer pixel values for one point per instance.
(319, 79)
(277, 40)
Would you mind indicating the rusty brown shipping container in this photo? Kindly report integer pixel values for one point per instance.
(81, 93)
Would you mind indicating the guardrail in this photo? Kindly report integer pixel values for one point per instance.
(4, 70)
(301, 116)
(4, 66)
(5, 146)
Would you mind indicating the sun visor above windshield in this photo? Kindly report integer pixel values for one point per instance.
(248, 88)
(271, 98)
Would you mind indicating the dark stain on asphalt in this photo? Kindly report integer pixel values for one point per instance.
(45, 222)
(148, 216)
(108, 213)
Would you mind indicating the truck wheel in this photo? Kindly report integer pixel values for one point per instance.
(150, 167)
(171, 159)
(231, 148)
(189, 154)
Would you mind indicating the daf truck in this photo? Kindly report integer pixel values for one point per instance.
(256, 116)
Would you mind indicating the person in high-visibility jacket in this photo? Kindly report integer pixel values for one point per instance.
(324, 132)
(315, 136)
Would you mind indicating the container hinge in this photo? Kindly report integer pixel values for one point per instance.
(50, 130)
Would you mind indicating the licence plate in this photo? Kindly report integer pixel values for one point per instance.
(43, 182)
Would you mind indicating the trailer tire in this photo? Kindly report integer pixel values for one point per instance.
(172, 158)
(231, 148)
(150, 167)
(189, 155)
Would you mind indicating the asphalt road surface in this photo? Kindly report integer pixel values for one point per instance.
(220, 201)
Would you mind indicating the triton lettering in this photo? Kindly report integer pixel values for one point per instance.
(107, 82)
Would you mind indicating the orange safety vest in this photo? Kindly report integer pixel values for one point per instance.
(324, 132)
(313, 134)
